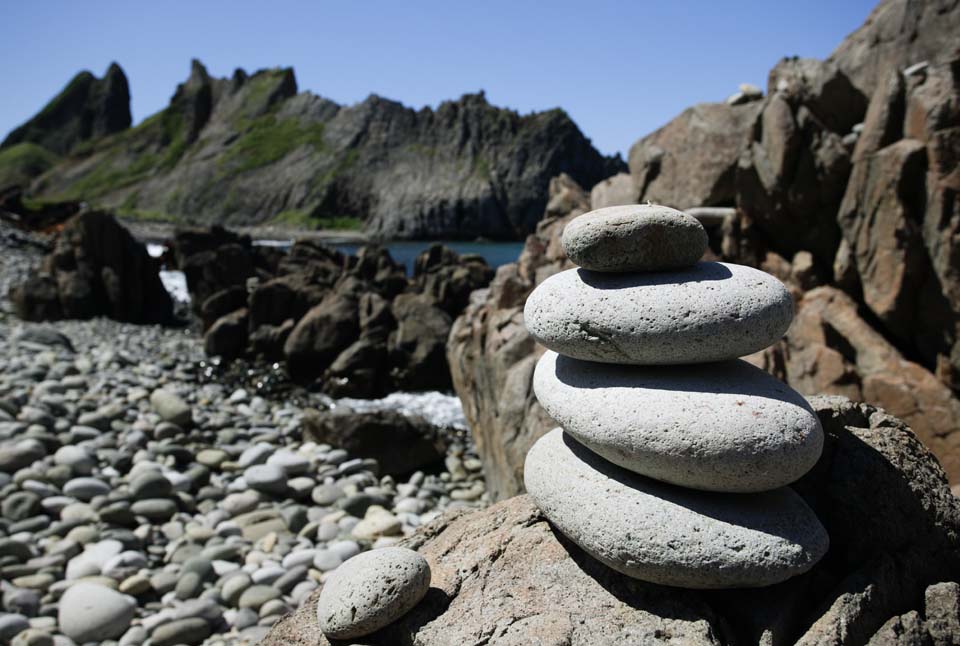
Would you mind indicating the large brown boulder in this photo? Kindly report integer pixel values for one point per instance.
(831, 349)
(897, 34)
(794, 169)
(96, 268)
(692, 160)
(505, 576)
(899, 214)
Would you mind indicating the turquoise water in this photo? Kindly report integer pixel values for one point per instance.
(405, 252)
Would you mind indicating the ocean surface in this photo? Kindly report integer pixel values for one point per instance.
(404, 252)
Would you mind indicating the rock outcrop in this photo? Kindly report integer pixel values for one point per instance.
(95, 269)
(251, 149)
(882, 497)
(355, 326)
(897, 34)
(492, 356)
(691, 161)
(88, 108)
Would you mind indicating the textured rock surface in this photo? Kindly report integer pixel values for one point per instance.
(251, 149)
(893, 525)
(372, 590)
(709, 312)
(897, 34)
(671, 535)
(95, 269)
(87, 108)
(692, 160)
(723, 427)
(634, 238)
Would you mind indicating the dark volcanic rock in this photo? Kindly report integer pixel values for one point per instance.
(87, 108)
(251, 149)
(503, 575)
(96, 269)
(400, 444)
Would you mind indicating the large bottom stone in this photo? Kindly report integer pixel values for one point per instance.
(666, 534)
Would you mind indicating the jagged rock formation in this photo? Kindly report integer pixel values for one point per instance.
(898, 33)
(251, 149)
(892, 521)
(96, 268)
(355, 326)
(87, 108)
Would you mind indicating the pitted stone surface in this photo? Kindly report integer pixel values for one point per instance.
(667, 534)
(725, 426)
(372, 590)
(710, 312)
(638, 237)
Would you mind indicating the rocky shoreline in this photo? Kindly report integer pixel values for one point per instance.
(193, 509)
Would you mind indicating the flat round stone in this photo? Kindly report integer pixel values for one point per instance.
(666, 534)
(725, 426)
(638, 237)
(370, 591)
(710, 312)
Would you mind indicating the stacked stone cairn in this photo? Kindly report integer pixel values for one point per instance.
(674, 455)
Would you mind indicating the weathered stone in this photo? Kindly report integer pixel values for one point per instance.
(370, 591)
(710, 312)
(720, 427)
(671, 535)
(642, 237)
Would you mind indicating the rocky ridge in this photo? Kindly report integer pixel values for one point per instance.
(251, 149)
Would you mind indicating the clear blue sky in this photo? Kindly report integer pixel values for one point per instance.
(619, 69)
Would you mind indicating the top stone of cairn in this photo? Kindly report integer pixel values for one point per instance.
(638, 237)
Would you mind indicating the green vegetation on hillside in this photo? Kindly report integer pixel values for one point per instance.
(268, 139)
(22, 162)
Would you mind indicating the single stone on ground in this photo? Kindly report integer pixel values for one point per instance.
(637, 237)
(91, 613)
(171, 408)
(372, 590)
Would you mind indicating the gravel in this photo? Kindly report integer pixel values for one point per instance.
(134, 466)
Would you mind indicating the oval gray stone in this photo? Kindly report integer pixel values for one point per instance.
(637, 237)
(710, 312)
(91, 613)
(726, 426)
(666, 534)
(370, 591)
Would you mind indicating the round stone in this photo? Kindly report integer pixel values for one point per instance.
(726, 426)
(92, 613)
(266, 478)
(666, 534)
(637, 237)
(171, 408)
(86, 488)
(192, 630)
(710, 312)
(370, 591)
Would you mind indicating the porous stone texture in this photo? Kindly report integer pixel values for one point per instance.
(710, 312)
(670, 535)
(639, 237)
(726, 426)
(90, 612)
(372, 590)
